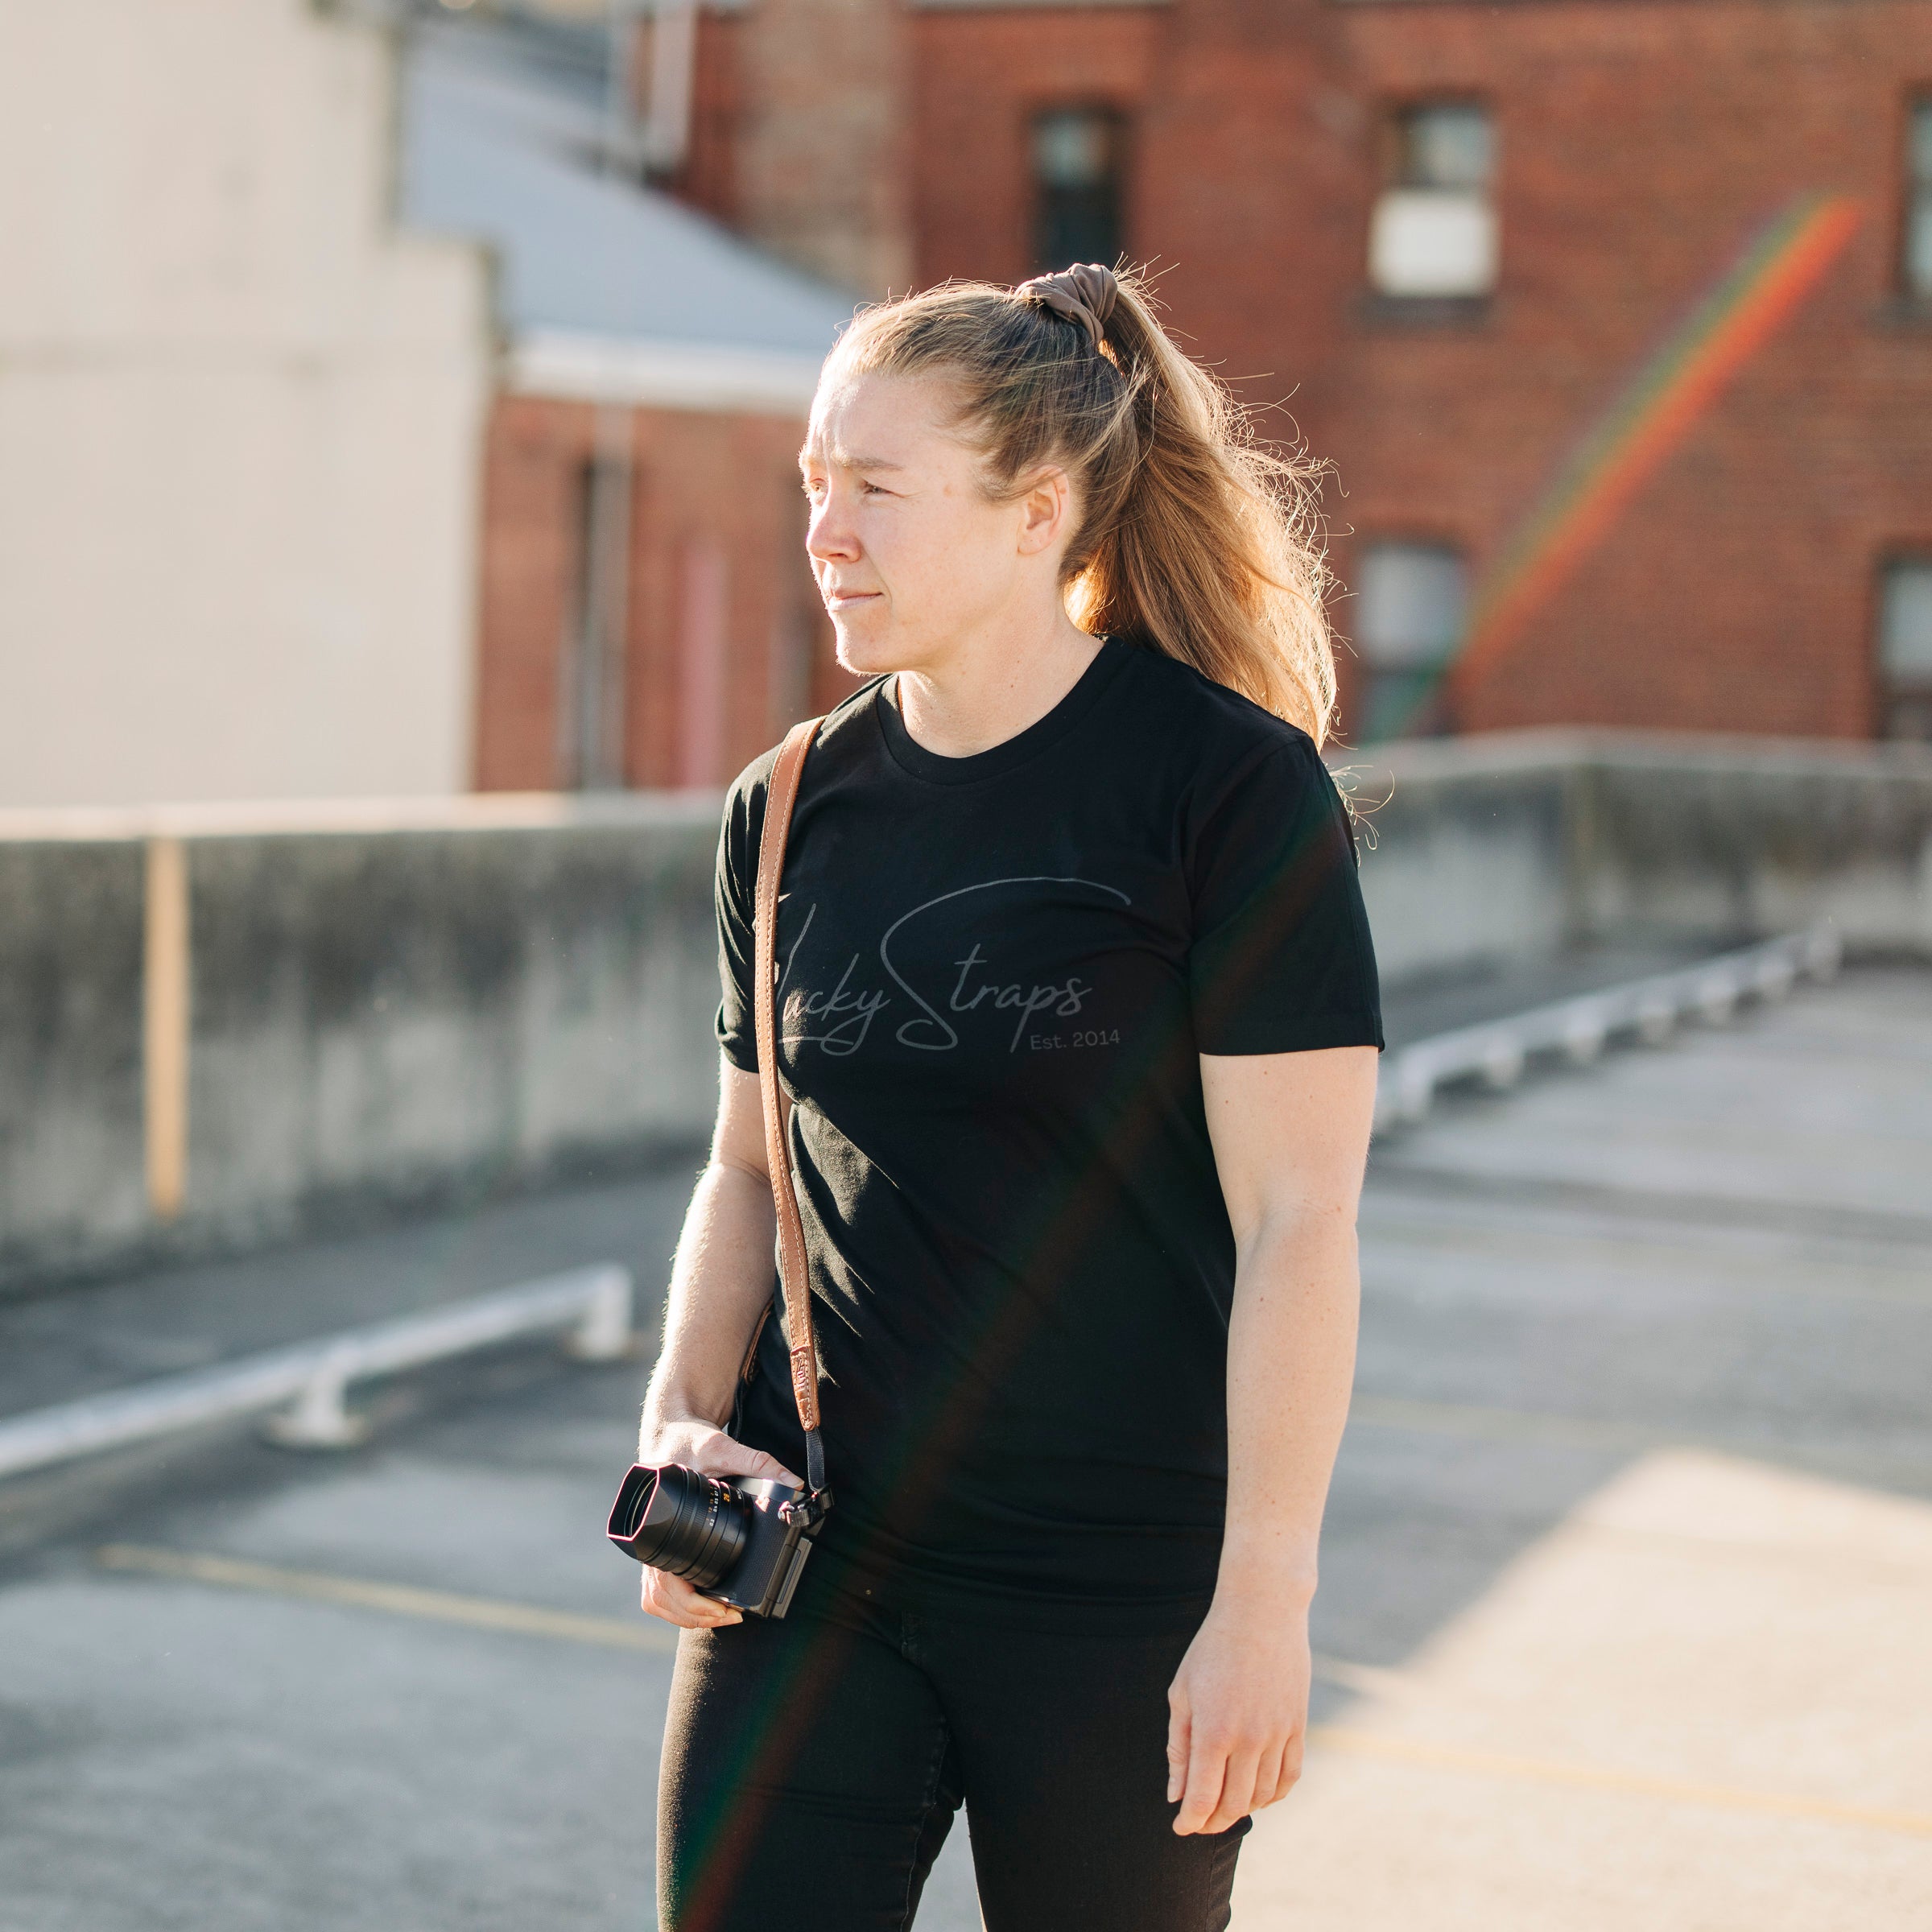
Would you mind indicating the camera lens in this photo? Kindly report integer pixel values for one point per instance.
(680, 1521)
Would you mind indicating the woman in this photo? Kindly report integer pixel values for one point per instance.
(1080, 1015)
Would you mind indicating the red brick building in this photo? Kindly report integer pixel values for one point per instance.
(1468, 247)
(646, 615)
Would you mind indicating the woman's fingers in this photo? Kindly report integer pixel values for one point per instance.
(1237, 1798)
(1271, 1781)
(707, 1449)
(1238, 1707)
(1286, 1774)
(720, 1454)
(757, 1463)
(1178, 1727)
(672, 1599)
(1206, 1769)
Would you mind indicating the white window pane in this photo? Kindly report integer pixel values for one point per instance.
(1411, 604)
(1433, 241)
(1070, 150)
(1448, 146)
(1905, 624)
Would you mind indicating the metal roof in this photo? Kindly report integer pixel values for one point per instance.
(605, 287)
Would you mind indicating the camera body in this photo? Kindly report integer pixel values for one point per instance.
(740, 1540)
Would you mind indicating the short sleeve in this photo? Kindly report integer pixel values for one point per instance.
(733, 896)
(1281, 960)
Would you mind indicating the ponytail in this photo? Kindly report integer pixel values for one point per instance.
(1192, 538)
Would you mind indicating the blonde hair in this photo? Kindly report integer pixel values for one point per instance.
(1192, 538)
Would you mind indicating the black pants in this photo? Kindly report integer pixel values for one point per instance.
(812, 1768)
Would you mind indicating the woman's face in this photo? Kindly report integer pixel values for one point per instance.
(909, 554)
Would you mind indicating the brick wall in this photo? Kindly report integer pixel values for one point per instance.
(978, 81)
(1640, 147)
(709, 179)
(821, 175)
(727, 642)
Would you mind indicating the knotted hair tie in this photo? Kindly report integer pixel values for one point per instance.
(1084, 293)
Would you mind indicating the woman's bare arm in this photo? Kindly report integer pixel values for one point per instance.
(720, 1284)
(1290, 1135)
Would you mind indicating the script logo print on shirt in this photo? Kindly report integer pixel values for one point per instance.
(940, 970)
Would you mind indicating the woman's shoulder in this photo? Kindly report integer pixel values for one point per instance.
(1208, 727)
(836, 728)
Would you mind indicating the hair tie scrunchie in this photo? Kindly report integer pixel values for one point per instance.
(1084, 293)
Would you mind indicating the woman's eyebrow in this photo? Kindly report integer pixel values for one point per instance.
(839, 459)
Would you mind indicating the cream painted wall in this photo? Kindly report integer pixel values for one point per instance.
(241, 416)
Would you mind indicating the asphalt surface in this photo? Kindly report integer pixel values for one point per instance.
(1634, 1337)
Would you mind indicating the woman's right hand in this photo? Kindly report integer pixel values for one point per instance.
(704, 1447)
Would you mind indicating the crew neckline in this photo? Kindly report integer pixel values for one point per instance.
(1010, 754)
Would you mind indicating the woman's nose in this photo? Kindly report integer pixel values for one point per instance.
(829, 534)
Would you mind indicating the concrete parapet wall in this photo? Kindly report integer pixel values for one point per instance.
(384, 1006)
(1499, 848)
(1746, 838)
(392, 1003)
(1467, 859)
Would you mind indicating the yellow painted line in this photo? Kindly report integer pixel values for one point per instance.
(164, 1026)
(398, 1599)
(619, 1633)
(1594, 1777)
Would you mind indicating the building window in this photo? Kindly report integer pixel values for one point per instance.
(1433, 235)
(1916, 260)
(1905, 648)
(1076, 168)
(1411, 606)
(591, 664)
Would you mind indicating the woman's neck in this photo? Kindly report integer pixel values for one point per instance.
(991, 689)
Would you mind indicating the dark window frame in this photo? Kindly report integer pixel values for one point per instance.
(1913, 189)
(1377, 309)
(1436, 716)
(1119, 125)
(1889, 698)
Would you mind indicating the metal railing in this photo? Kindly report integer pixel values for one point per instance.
(311, 1381)
(1578, 1029)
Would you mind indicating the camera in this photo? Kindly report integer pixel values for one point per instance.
(742, 1540)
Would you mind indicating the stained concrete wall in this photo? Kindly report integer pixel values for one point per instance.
(1489, 849)
(388, 1006)
(70, 1137)
(1466, 856)
(395, 1003)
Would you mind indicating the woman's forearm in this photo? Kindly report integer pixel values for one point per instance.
(720, 1283)
(1290, 1366)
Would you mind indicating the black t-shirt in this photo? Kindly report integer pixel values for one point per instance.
(997, 975)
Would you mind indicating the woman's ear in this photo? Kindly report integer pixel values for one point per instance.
(1045, 512)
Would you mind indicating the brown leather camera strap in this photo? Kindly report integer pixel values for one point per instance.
(794, 1275)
